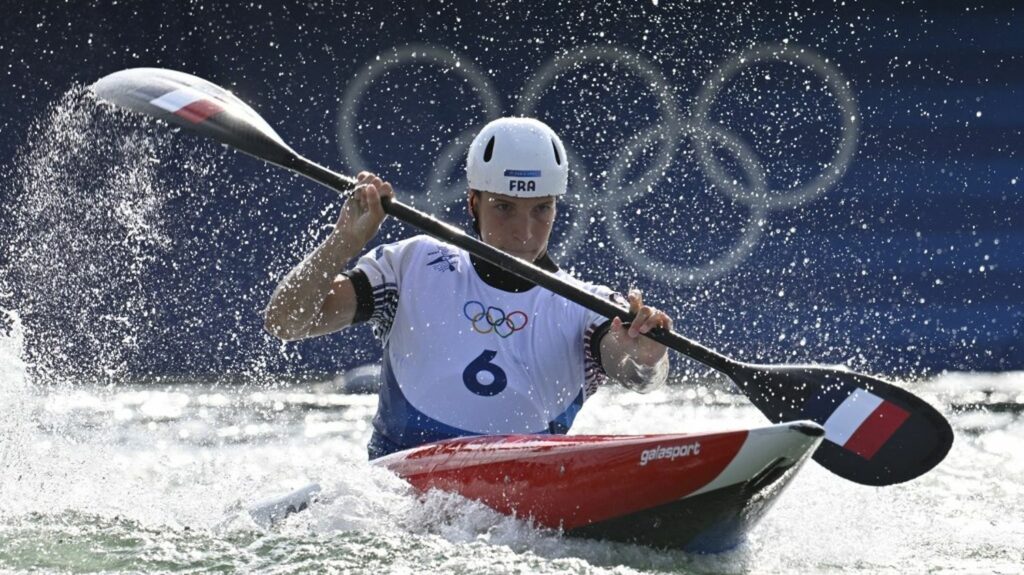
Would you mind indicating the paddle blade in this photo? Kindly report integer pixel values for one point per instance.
(875, 433)
(196, 105)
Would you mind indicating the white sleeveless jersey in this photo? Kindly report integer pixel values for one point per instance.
(462, 357)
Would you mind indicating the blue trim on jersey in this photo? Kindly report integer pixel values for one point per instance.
(561, 424)
(380, 446)
(400, 422)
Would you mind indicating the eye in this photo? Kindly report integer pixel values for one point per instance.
(502, 207)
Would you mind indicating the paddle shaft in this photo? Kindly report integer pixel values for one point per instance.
(442, 231)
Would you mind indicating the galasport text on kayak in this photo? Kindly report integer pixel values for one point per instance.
(672, 452)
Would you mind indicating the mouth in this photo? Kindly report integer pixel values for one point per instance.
(521, 252)
(527, 255)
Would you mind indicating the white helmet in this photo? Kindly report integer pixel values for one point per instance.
(519, 157)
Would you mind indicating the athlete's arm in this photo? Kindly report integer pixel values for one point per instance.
(313, 299)
(637, 362)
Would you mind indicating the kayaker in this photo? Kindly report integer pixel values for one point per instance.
(470, 348)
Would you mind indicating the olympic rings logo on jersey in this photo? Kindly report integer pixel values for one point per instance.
(707, 137)
(488, 319)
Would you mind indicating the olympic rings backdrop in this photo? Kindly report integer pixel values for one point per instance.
(791, 182)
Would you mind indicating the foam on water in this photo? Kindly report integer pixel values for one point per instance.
(155, 471)
(17, 400)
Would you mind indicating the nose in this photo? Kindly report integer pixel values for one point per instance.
(521, 228)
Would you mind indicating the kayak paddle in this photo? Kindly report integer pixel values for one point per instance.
(877, 433)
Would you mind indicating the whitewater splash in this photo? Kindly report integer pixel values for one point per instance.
(133, 247)
(83, 213)
(17, 400)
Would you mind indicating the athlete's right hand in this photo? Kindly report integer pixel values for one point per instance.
(362, 213)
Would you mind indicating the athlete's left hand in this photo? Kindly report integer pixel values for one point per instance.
(642, 350)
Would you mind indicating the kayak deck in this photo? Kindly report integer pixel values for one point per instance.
(696, 492)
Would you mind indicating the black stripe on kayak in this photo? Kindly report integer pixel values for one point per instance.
(711, 522)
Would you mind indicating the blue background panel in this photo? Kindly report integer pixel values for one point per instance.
(693, 173)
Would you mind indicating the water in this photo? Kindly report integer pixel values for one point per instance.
(152, 477)
(103, 471)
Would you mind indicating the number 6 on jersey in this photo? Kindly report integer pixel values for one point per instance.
(471, 375)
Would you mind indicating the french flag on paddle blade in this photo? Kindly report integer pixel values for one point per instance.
(189, 104)
(864, 422)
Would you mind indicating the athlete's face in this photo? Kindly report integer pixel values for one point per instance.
(519, 226)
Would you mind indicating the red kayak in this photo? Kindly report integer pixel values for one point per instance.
(697, 492)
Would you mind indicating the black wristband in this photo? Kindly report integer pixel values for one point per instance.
(595, 340)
